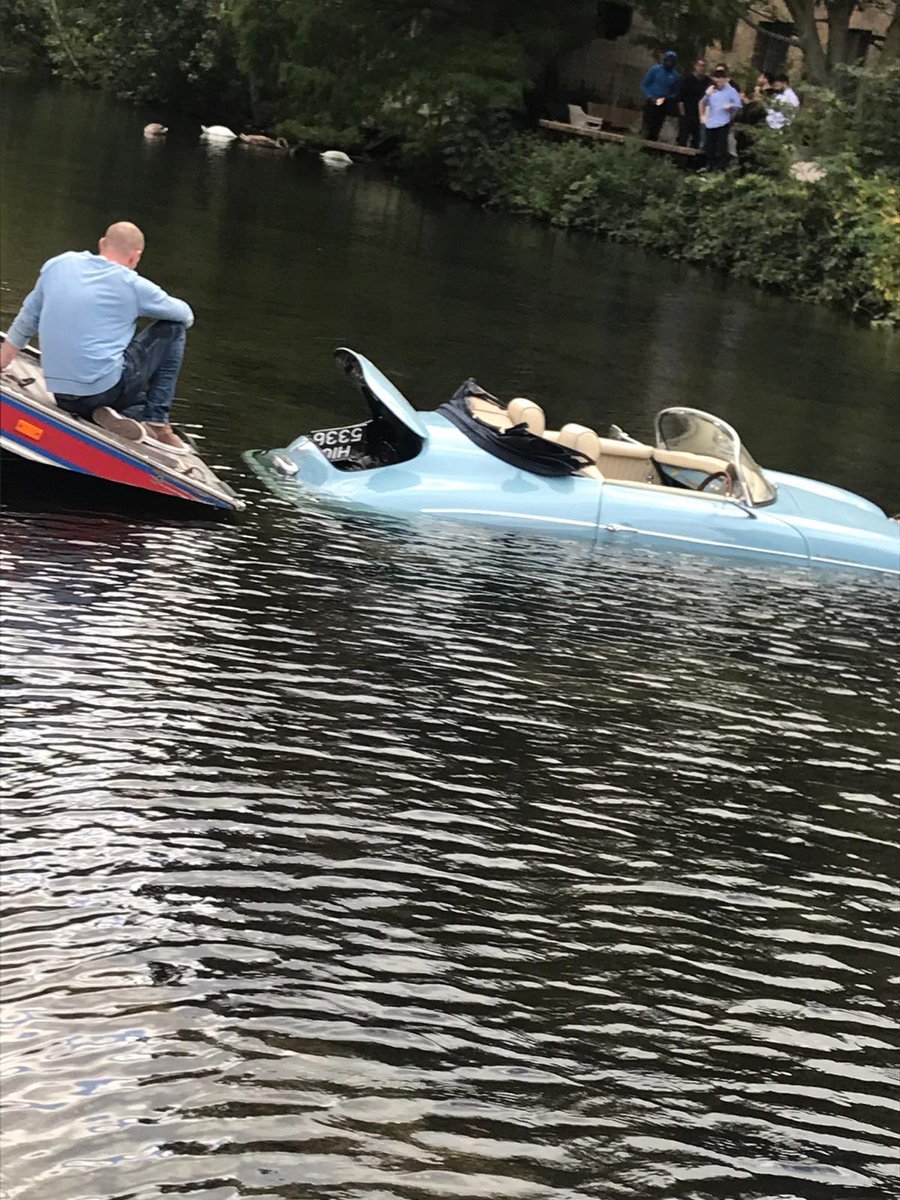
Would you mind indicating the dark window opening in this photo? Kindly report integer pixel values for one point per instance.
(613, 20)
(770, 53)
(858, 43)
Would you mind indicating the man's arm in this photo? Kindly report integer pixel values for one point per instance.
(24, 327)
(646, 82)
(154, 302)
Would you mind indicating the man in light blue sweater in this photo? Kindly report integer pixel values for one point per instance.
(85, 308)
(718, 108)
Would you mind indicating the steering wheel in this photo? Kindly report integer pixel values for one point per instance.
(726, 475)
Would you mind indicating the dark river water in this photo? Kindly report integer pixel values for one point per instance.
(360, 860)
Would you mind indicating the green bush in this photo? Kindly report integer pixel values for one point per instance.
(857, 119)
(834, 241)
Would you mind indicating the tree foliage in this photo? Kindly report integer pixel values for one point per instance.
(398, 66)
(446, 83)
(176, 52)
(834, 241)
(344, 69)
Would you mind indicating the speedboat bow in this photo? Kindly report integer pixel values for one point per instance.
(476, 459)
(33, 427)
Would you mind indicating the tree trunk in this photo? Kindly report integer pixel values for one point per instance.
(56, 18)
(889, 51)
(839, 14)
(804, 17)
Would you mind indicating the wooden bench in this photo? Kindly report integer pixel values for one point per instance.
(601, 135)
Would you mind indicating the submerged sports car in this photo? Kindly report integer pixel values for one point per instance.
(476, 459)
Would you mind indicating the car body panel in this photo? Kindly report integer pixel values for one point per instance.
(451, 477)
(694, 521)
(378, 390)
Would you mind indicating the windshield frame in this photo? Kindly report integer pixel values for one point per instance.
(745, 465)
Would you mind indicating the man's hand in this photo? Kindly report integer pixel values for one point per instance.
(7, 353)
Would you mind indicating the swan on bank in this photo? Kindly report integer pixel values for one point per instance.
(336, 158)
(218, 133)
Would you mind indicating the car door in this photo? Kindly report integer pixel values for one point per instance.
(677, 518)
(494, 493)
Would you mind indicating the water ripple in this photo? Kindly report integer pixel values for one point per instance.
(431, 872)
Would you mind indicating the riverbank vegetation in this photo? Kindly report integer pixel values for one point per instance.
(836, 240)
(451, 91)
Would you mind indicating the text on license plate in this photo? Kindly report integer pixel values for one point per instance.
(337, 444)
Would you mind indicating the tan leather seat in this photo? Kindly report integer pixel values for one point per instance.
(631, 461)
(579, 437)
(525, 412)
(485, 411)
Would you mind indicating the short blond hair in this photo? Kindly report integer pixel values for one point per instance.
(123, 238)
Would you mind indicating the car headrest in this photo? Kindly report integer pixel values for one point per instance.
(579, 437)
(521, 411)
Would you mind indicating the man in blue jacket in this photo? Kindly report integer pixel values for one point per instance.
(85, 308)
(660, 88)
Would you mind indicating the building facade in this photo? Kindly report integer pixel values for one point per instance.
(606, 72)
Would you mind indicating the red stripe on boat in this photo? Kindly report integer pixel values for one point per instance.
(80, 452)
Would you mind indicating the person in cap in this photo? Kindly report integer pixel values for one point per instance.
(718, 108)
(85, 307)
(660, 87)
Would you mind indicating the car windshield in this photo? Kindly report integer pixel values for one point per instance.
(696, 432)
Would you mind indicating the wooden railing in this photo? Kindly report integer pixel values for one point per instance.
(601, 135)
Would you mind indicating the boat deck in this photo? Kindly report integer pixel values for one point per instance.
(34, 427)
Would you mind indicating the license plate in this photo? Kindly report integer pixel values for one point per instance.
(338, 444)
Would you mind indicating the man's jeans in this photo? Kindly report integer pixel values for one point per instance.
(146, 390)
(717, 148)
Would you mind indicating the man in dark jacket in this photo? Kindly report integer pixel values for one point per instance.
(693, 88)
(660, 88)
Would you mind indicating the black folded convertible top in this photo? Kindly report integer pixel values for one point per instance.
(517, 446)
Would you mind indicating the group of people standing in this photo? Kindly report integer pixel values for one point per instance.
(707, 106)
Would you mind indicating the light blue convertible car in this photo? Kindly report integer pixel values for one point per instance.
(476, 459)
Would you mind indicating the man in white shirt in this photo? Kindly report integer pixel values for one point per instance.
(782, 100)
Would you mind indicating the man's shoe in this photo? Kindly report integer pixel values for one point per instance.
(166, 436)
(114, 422)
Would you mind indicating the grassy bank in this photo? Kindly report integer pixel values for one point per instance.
(834, 241)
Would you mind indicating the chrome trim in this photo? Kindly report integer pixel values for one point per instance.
(857, 566)
(490, 512)
(695, 541)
